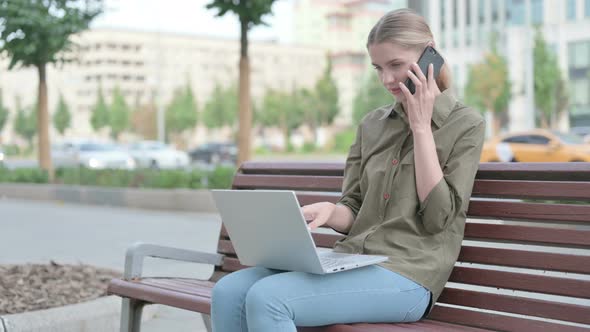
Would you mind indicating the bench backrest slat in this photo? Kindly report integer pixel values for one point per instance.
(294, 182)
(521, 281)
(528, 234)
(531, 189)
(526, 259)
(525, 219)
(572, 213)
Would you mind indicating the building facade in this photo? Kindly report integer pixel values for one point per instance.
(463, 28)
(340, 28)
(144, 64)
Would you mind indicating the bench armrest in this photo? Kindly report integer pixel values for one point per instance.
(138, 251)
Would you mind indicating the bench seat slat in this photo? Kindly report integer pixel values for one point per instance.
(522, 281)
(172, 297)
(291, 182)
(421, 326)
(498, 322)
(568, 190)
(529, 211)
(517, 305)
(525, 259)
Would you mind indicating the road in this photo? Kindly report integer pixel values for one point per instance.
(37, 232)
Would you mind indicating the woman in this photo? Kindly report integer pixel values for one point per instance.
(407, 184)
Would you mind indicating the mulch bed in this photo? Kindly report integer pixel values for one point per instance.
(41, 286)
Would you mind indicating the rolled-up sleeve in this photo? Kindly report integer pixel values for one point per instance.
(450, 197)
(351, 191)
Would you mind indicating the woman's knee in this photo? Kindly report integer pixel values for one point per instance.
(261, 299)
(237, 284)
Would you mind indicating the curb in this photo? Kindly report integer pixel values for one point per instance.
(189, 200)
(99, 315)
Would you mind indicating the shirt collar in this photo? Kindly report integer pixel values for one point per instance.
(443, 105)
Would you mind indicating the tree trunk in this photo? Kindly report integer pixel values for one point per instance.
(43, 123)
(495, 121)
(544, 122)
(245, 116)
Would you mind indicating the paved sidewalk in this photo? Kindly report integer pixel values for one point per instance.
(33, 231)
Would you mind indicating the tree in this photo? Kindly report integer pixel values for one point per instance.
(144, 120)
(250, 14)
(320, 106)
(370, 96)
(62, 118)
(280, 109)
(36, 33)
(119, 114)
(326, 97)
(547, 77)
(25, 123)
(222, 107)
(181, 114)
(3, 113)
(488, 86)
(100, 113)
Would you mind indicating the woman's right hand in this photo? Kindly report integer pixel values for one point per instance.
(318, 214)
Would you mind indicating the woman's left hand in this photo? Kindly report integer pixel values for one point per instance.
(421, 104)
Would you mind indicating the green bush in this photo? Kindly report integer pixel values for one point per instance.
(11, 150)
(308, 147)
(23, 175)
(343, 140)
(220, 177)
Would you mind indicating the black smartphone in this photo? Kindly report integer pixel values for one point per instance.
(430, 55)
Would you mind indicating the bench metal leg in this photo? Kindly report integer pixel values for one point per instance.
(207, 321)
(131, 315)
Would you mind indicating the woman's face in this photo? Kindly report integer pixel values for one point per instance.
(392, 63)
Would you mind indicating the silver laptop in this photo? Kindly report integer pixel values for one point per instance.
(267, 229)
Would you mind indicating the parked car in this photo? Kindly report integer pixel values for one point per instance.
(157, 155)
(215, 153)
(583, 132)
(2, 156)
(92, 155)
(537, 145)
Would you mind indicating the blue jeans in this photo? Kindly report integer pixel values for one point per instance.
(259, 299)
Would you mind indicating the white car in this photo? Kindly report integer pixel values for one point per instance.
(157, 155)
(91, 155)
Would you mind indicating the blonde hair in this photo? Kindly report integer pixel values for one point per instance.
(406, 28)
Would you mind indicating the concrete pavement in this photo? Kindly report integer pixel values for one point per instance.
(33, 231)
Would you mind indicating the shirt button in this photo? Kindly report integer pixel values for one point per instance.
(386, 196)
(394, 162)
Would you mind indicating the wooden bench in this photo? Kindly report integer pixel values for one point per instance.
(525, 264)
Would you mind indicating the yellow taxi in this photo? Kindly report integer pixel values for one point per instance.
(537, 145)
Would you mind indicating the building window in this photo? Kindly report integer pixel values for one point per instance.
(571, 9)
(580, 92)
(579, 55)
(537, 11)
(455, 14)
(516, 12)
(587, 8)
(442, 15)
(495, 10)
(468, 12)
(481, 10)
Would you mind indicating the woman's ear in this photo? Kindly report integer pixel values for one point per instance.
(431, 44)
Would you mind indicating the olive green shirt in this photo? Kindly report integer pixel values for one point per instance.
(421, 239)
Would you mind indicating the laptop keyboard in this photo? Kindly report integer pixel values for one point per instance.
(330, 263)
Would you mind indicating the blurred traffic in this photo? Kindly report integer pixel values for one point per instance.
(539, 145)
